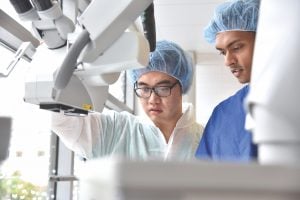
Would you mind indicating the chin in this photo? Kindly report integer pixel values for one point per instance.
(153, 118)
(243, 81)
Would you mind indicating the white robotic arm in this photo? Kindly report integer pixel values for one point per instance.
(49, 24)
(112, 19)
(75, 78)
(87, 89)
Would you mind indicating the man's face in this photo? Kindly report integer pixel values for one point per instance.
(237, 48)
(161, 109)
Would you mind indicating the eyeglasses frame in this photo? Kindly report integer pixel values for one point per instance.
(153, 90)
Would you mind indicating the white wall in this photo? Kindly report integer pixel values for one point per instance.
(214, 83)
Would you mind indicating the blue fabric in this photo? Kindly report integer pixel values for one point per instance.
(171, 59)
(233, 15)
(225, 137)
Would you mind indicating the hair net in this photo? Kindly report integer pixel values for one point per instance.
(240, 15)
(168, 58)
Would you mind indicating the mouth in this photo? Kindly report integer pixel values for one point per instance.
(154, 111)
(236, 72)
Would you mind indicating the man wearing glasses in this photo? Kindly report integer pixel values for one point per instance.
(168, 133)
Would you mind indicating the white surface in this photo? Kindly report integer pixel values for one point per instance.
(112, 19)
(182, 21)
(274, 93)
(214, 83)
(138, 180)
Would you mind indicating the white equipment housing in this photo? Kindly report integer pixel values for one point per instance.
(117, 179)
(274, 95)
(87, 89)
(102, 49)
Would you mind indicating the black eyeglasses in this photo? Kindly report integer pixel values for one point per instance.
(161, 91)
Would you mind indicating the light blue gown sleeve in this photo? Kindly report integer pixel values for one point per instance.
(110, 133)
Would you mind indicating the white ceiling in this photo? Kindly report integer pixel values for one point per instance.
(182, 21)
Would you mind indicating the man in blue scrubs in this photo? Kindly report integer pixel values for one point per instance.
(232, 30)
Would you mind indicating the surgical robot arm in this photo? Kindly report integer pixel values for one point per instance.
(72, 69)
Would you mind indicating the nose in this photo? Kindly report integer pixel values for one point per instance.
(229, 59)
(154, 98)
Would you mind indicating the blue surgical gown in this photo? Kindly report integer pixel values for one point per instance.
(225, 137)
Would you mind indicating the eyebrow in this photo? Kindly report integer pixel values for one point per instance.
(229, 45)
(158, 83)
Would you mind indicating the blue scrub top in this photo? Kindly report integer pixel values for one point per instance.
(225, 137)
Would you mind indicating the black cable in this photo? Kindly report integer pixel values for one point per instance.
(148, 21)
(21, 6)
(41, 5)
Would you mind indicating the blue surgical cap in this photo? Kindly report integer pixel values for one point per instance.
(168, 58)
(235, 15)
